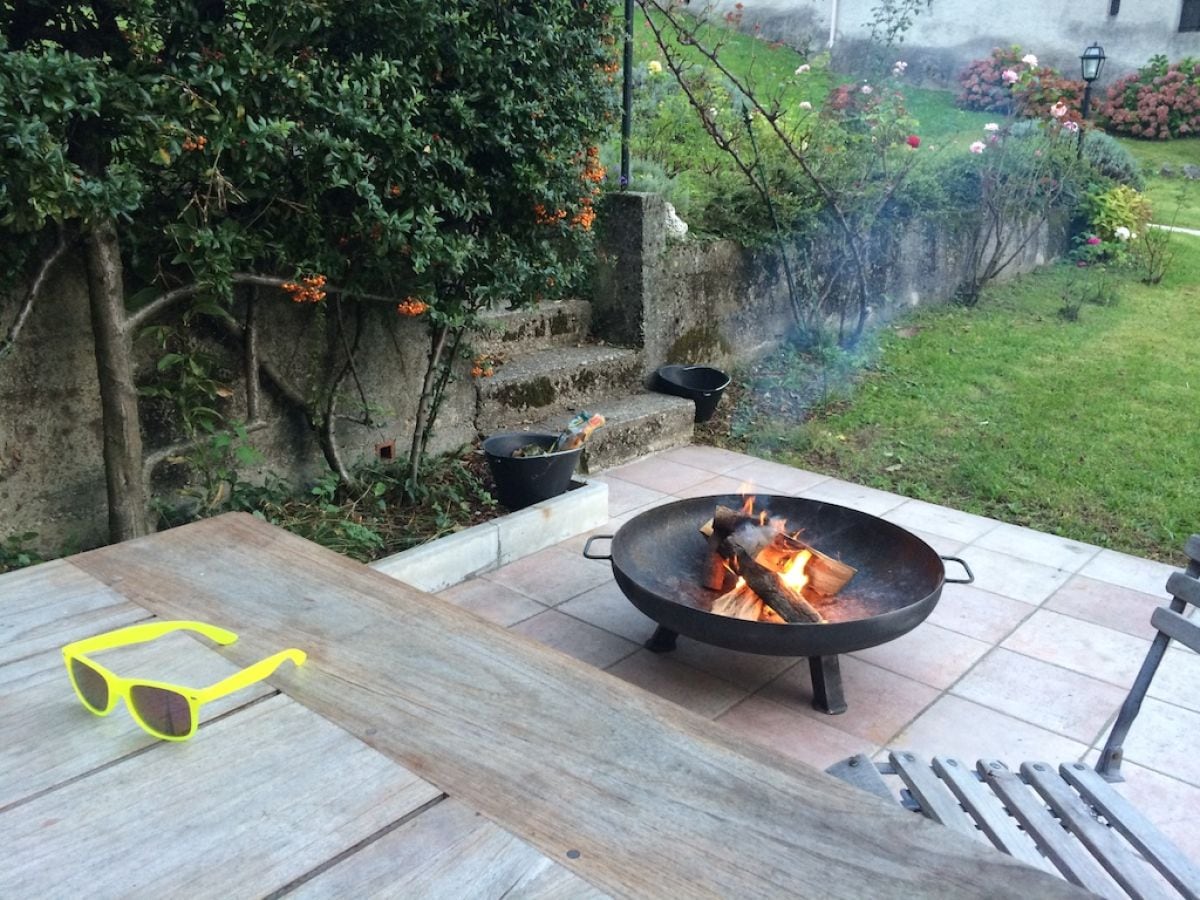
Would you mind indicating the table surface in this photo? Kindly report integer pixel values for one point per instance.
(420, 751)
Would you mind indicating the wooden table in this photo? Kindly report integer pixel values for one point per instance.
(420, 752)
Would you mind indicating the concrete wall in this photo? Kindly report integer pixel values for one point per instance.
(716, 303)
(955, 32)
(51, 470)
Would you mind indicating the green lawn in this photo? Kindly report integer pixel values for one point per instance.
(1084, 429)
(1176, 200)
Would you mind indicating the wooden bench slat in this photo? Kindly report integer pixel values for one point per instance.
(1176, 626)
(1060, 848)
(937, 803)
(1138, 830)
(1112, 853)
(988, 812)
(1184, 587)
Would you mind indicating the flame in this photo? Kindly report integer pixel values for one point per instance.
(795, 576)
(747, 503)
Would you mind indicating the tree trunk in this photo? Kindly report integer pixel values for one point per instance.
(122, 438)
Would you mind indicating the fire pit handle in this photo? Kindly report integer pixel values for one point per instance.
(962, 562)
(588, 546)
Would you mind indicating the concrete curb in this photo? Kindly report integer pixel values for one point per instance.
(447, 561)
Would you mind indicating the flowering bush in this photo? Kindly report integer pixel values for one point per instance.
(1008, 81)
(1161, 100)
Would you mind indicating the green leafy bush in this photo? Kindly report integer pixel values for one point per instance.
(1161, 100)
(1118, 214)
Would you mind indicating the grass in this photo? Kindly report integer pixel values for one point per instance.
(1079, 428)
(1176, 201)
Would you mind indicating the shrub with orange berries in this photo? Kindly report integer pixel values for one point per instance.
(411, 306)
(307, 291)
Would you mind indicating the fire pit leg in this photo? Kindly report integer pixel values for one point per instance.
(662, 641)
(827, 684)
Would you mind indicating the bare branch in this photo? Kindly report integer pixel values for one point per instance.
(31, 295)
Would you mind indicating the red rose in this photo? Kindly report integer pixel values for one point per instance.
(913, 141)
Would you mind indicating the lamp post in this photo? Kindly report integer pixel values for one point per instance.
(627, 94)
(1091, 62)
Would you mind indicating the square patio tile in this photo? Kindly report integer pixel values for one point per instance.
(711, 459)
(917, 515)
(777, 478)
(1009, 576)
(1043, 694)
(578, 639)
(576, 544)
(551, 576)
(879, 703)
(624, 496)
(1164, 737)
(1178, 679)
(671, 680)
(943, 546)
(1132, 572)
(957, 727)
(1106, 604)
(1036, 546)
(1082, 647)
(929, 654)
(856, 496)
(809, 740)
(979, 614)
(660, 474)
(722, 484)
(746, 670)
(491, 601)
(606, 607)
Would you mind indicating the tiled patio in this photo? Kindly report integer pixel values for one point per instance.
(1030, 662)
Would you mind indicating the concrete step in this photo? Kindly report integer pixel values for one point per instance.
(635, 424)
(560, 324)
(553, 384)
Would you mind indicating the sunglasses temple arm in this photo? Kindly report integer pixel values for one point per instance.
(250, 675)
(147, 631)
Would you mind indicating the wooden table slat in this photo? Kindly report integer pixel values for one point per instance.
(47, 737)
(45, 606)
(253, 802)
(456, 849)
(656, 800)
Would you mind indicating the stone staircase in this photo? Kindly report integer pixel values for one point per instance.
(550, 371)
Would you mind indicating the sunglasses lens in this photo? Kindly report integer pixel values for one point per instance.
(166, 712)
(91, 684)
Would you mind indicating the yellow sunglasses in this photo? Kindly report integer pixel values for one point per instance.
(167, 711)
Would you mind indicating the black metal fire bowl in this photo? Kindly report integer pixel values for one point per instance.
(659, 560)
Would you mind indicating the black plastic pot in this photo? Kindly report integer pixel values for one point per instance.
(522, 481)
(701, 384)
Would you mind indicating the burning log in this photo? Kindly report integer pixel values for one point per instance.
(771, 589)
(826, 575)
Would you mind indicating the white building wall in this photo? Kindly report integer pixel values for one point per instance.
(954, 32)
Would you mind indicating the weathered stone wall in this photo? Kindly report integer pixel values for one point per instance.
(716, 303)
(954, 32)
(51, 470)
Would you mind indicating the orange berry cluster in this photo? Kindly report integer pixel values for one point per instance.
(411, 306)
(547, 218)
(585, 217)
(610, 67)
(592, 170)
(309, 291)
(195, 143)
(484, 367)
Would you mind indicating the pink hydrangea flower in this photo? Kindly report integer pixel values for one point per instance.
(977, 147)
(1009, 76)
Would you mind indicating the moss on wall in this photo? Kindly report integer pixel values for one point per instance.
(698, 345)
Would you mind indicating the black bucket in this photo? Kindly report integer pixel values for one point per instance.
(522, 481)
(701, 384)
